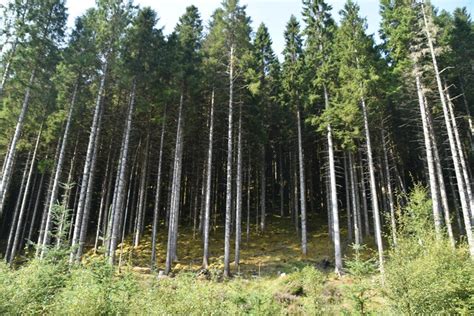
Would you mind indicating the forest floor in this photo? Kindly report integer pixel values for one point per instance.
(267, 259)
(269, 253)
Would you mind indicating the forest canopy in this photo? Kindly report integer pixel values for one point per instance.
(122, 143)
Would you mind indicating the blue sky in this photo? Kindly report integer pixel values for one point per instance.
(274, 13)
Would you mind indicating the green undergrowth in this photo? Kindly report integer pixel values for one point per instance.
(423, 275)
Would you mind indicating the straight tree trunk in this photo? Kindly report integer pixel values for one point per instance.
(156, 208)
(119, 192)
(87, 166)
(349, 211)
(142, 192)
(228, 195)
(15, 219)
(29, 237)
(263, 187)
(391, 203)
(89, 192)
(462, 158)
(24, 201)
(207, 206)
(11, 154)
(238, 208)
(452, 143)
(176, 192)
(302, 184)
(334, 212)
(355, 206)
(373, 189)
(59, 167)
(363, 189)
(442, 186)
(429, 156)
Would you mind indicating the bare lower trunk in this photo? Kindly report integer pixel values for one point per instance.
(87, 166)
(334, 212)
(462, 158)
(119, 192)
(21, 216)
(207, 206)
(142, 192)
(29, 237)
(11, 154)
(429, 157)
(302, 184)
(391, 203)
(62, 154)
(176, 192)
(263, 187)
(15, 218)
(373, 188)
(228, 195)
(456, 160)
(355, 206)
(238, 208)
(442, 186)
(156, 209)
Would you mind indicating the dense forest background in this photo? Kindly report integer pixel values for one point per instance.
(119, 143)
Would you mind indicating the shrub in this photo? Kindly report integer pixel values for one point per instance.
(424, 274)
(96, 290)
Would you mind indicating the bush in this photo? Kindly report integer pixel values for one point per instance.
(424, 274)
(32, 288)
(96, 290)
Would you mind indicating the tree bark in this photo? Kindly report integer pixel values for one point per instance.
(119, 192)
(176, 192)
(207, 207)
(21, 216)
(228, 196)
(302, 184)
(373, 188)
(156, 208)
(238, 208)
(11, 154)
(452, 143)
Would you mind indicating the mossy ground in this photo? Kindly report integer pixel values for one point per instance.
(269, 261)
(268, 253)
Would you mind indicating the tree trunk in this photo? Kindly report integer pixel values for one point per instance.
(228, 195)
(29, 237)
(442, 186)
(333, 194)
(21, 216)
(59, 167)
(429, 157)
(119, 192)
(302, 184)
(263, 189)
(15, 219)
(207, 207)
(87, 166)
(142, 192)
(156, 208)
(452, 144)
(391, 204)
(238, 208)
(462, 158)
(176, 192)
(373, 189)
(11, 154)
(355, 206)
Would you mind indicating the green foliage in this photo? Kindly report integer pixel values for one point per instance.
(95, 290)
(32, 289)
(424, 274)
(361, 291)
